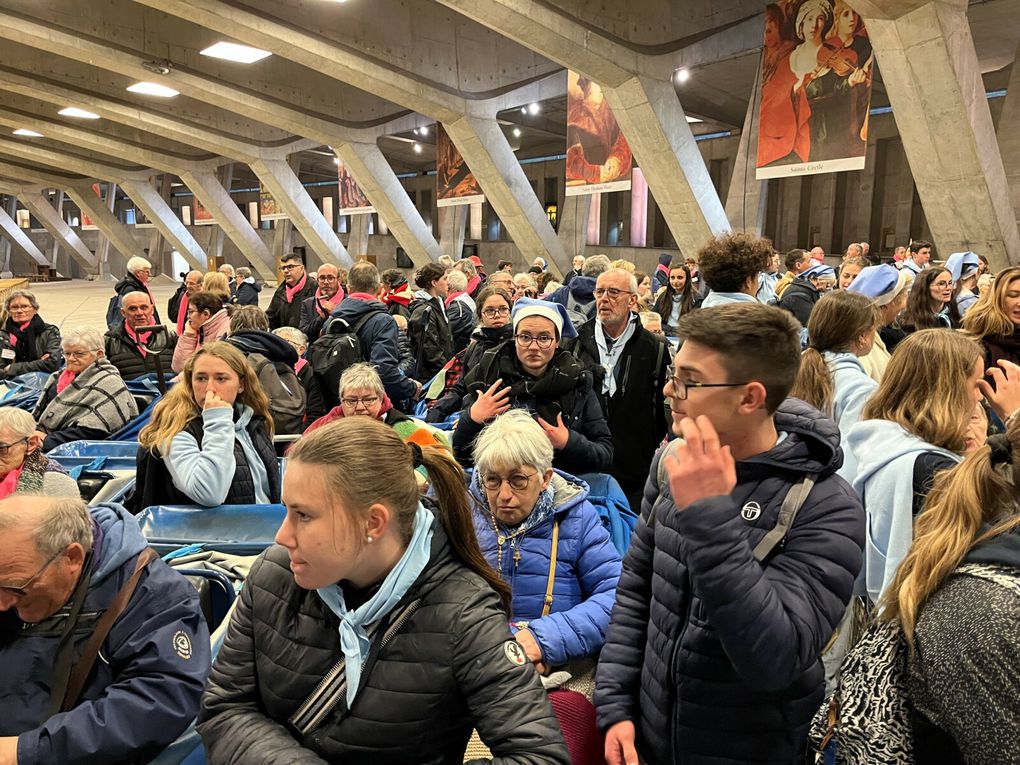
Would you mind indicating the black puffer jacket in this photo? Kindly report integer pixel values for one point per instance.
(565, 388)
(123, 353)
(431, 337)
(799, 299)
(713, 656)
(47, 343)
(445, 671)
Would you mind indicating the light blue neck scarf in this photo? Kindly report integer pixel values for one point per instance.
(354, 640)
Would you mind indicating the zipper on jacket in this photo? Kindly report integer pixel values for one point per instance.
(674, 674)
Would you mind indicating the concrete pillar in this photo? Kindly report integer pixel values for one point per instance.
(149, 201)
(226, 178)
(211, 193)
(12, 232)
(1009, 135)
(452, 223)
(54, 222)
(382, 187)
(10, 206)
(55, 250)
(745, 201)
(357, 243)
(283, 238)
(573, 228)
(116, 233)
(155, 237)
(932, 75)
(283, 183)
(483, 146)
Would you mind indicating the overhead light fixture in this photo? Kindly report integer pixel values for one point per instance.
(239, 54)
(517, 132)
(682, 75)
(524, 110)
(424, 129)
(74, 111)
(28, 133)
(417, 148)
(336, 160)
(153, 89)
(534, 109)
(693, 120)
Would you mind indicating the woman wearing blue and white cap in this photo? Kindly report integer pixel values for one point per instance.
(964, 267)
(532, 372)
(806, 290)
(887, 286)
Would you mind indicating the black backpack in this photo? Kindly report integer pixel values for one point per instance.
(287, 397)
(336, 349)
(113, 315)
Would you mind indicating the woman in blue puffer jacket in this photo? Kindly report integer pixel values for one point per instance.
(538, 530)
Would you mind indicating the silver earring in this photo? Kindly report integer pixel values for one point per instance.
(369, 539)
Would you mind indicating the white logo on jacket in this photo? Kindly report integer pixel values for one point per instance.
(182, 644)
(750, 511)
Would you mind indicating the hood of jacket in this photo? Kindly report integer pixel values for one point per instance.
(811, 444)
(250, 281)
(843, 362)
(352, 309)
(130, 280)
(803, 287)
(273, 347)
(1003, 550)
(120, 539)
(874, 444)
(490, 337)
(723, 298)
(582, 288)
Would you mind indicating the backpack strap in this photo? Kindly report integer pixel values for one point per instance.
(81, 670)
(792, 504)
(547, 603)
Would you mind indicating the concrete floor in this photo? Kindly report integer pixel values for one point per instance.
(82, 303)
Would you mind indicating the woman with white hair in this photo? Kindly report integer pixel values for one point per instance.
(543, 537)
(27, 343)
(24, 469)
(88, 400)
(460, 309)
(137, 280)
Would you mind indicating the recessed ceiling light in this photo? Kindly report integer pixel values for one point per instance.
(534, 108)
(424, 129)
(28, 133)
(153, 89)
(517, 132)
(239, 54)
(74, 111)
(682, 75)
(417, 148)
(524, 110)
(692, 120)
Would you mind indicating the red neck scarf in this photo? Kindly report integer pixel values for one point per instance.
(319, 298)
(292, 291)
(65, 379)
(453, 296)
(140, 339)
(182, 314)
(10, 482)
(301, 362)
(14, 338)
(362, 296)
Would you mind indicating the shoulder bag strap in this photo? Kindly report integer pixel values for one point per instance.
(794, 500)
(547, 603)
(81, 670)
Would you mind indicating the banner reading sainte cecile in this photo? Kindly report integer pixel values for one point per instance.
(598, 156)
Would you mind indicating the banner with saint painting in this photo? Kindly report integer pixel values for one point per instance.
(352, 199)
(269, 208)
(598, 155)
(816, 74)
(455, 183)
(200, 214)
(87, 224)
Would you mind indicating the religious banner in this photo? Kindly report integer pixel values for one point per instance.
(269, 209)
(598, 156)
(455, 183)
(87, 224)
(816, 72)
(200, 215)
(352, 199)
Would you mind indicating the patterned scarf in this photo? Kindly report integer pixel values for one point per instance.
(292, 291)
(28, 478)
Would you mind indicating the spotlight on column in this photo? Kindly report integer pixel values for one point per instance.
(517, 132)
(534, 109)
(424, 129)
(682, 75)
(417, 148)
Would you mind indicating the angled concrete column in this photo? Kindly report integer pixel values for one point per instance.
(481, 142)
(283, 239)
(54, 222)
(573, 228)
(155, 237)
(382, 187)
(215, 198)
(283, 183)
(452, 222)
(357, 243)
(10, 206)
(151, 202)
(1009, 135)
(225, 175)
(115, 232)
(931, 72)
(55, 249)
(745, 201)
(13, 233)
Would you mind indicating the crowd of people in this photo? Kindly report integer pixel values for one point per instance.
(799, 448)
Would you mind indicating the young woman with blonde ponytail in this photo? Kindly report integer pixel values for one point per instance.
(956, 597)
(831, 378)
(374, 631)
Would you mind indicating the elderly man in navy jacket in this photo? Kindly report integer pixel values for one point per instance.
(712, 654)
(62, 566)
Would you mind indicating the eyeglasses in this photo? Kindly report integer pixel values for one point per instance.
(518, 481)
(612, 292)
(19, 308)
(79, 354)
(20, 591)
(6, 448)
(289, 268)
(492, 313)
(680, 387)
(367, 401)
(328, 278)
(942, 285)
(525, 339)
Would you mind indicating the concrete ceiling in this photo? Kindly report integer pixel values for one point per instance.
(72, 53)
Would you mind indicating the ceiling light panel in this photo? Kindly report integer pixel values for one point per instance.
(153, 89)
(239, 54)
(74, 111)
(28, 133)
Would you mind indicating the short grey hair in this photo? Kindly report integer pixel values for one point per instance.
(137, 264)
(361, 376)
(650, 318)
(243, 271)
(89, 338)
(513, 440)
(467, 266)
(226, 268)
(526, 277)
(29, 296)
(457, 280)
(445, 261)
(292, 335)
(18, 421)
(631, 279)
(126, 295)
(595, 265)
(54, 522)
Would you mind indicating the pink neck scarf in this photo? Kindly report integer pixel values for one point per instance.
(140, 339)
(292, 291)
(10, 482)
(65, 379)
(182, 314)
(14, 338)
